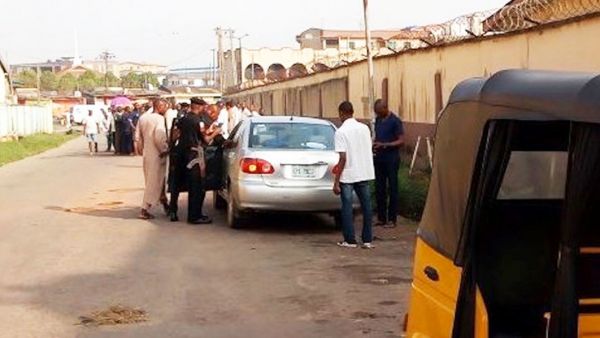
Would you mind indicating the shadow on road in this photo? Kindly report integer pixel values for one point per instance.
(291, 224)
(107, 211)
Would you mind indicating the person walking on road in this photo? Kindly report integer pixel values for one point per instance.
(91, 129)
(353, 173)
(118, 117)
(389, 136)
(151, 143)
(109, 128)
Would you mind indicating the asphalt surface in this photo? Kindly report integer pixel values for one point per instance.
(70, 244)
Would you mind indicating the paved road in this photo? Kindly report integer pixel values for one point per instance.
(70, 244)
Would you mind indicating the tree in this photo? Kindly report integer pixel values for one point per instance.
(67, 83)
(88, 80)
(131, 80)
(150, 79)
(113, 81)
(28, 78)
(48, 81)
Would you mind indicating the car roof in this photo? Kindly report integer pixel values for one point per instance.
(289, 119)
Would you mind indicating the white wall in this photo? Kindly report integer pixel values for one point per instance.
(25, 120)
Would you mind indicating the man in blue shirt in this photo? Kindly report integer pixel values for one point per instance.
(389, 137)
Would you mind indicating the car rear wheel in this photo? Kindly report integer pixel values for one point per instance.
(219, 203)
(233, 213)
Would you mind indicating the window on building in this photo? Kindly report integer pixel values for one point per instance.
(385, 89)
(352, 45)
(407, 45)
(332, 43)
(439, 99)
(308, 36)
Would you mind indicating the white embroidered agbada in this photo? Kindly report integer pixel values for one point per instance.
(151, 137)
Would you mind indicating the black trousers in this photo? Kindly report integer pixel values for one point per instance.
(110, 140)
(117, 140)
(386, 189)
(126, 144)
(177, 179)
(197, 194)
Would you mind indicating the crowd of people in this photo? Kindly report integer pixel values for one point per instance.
(173, 140)
(119, 123)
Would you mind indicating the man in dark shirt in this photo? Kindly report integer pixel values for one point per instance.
(389, 136)
(193, 138)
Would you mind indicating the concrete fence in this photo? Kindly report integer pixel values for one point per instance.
(24, 120)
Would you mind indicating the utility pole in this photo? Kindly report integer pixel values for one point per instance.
(106, 55)
(371, 67)
(213, 76)
(241, 75)
(232, 58)
(220, 33)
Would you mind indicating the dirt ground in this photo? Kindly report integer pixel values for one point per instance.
(70, 244)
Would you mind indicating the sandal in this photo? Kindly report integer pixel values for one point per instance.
(145, 215)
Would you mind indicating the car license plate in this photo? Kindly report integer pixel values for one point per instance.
(304, 172)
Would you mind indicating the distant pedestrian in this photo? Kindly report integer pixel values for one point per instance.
(109, 128)
(118, 129)
(223, 119)
(151, 143)
(127, 132)
(389, 136)
(91, 129)
(254, 110)
(353, 173)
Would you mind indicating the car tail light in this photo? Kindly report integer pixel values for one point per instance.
(256, 166)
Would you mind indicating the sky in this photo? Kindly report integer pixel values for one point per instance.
(180, 33)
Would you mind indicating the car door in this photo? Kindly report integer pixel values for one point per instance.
(231, 155)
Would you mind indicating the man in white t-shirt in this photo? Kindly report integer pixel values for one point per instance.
(353, 173)
(223, 120)
(91, 129)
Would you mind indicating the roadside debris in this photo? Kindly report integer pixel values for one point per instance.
(115, 315)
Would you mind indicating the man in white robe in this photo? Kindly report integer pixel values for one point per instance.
(151, 143)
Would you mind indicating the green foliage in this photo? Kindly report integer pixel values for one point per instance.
(67, 83)
(113, 81)
(412, 192)
(131, 80)
(28, 78)
(48, 81)
(31, 145)
(150, 78)
(134, 80)
(88, 80)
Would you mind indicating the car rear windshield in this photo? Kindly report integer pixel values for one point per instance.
(295, 136)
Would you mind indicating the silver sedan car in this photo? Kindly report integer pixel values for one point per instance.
(279, 163)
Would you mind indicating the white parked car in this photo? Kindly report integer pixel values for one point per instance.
(279, 164)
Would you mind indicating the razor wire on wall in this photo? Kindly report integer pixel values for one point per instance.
(522, 14)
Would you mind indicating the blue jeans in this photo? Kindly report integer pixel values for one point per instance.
(362, 190)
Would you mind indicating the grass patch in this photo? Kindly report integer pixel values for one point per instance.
(412, 192)
(31, 145)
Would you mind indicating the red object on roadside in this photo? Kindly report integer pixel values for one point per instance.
(256, 166)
